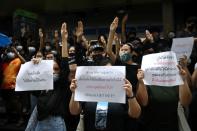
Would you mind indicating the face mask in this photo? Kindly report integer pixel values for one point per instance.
(171, 35)
(71, 54)
(19, 48)
(10, 55)
(97, 58)
(55, 77)
(31, 49)
(54, 52)
(47, 48)
(125, 57)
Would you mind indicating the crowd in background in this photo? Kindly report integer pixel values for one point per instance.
(69, 51)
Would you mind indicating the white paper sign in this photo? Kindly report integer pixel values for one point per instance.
(100, 83)
(182, 46)
(161, 69)
(35, 76)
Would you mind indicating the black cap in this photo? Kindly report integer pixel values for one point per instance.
(96, 47)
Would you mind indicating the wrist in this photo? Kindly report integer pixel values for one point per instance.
(131, 96)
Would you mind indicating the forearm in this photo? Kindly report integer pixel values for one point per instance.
(85, 41)
(64, 48)
(134, 110)
(185, 95)
(142, 94)
(189, 77)
(117, 48)
(20, 57)
(194, 79)
(57, 45)
(123, 32)
(109, 46)
(74, 106)
(41, 44)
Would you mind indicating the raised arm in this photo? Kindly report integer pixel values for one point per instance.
(113, 28)
(64, 34)
(142, 94)
(123, 28)
(56, 41)
(18, 55)
(41, 36)
(117, 45)
(183, 63)
(134, 109)
(194, 78)
(79, 31)
(185, 95)
(74, 106)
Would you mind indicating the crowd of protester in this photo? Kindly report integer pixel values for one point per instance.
(147, 108)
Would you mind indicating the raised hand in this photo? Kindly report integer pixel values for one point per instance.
(182, 72)
(128, 88)
(79, 29)
(114, 24)
(64, 32)
(183, 61)
(149, 36)
(40, 33)
(125, 18)
(56, 34)
(140, 74)
(73, 85)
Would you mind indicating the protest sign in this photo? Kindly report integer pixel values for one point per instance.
(161, 69)
(182, 46)
(35, 76)
(100, 83)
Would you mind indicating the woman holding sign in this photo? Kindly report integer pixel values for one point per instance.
(161, 103)
(51, 104)
(103, 115)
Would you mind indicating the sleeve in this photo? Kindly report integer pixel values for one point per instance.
(64, 68)
(79, 54)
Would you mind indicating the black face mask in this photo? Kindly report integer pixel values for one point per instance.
(97, 58)
(131, 38)
(191, 27)
(71, 54)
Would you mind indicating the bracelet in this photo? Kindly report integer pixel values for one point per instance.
(131, 97)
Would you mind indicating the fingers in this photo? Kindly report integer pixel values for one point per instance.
(63, 28)
(181, 71)
(179, 67)
(73, 85)
(80, 24)
(140, 74)
(128, 88)
(127, 81)
(36, 60)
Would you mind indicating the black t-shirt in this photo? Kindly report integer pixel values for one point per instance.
(131, 73)
(116, 116)
(53, 102)
(161, 112)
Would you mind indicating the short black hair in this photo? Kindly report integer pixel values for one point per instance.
(105, 61)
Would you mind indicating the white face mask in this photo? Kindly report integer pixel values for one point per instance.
(31, 49)
(55, 77)
(10, 55)
(19, 48)
(54, 52)
(47, 48)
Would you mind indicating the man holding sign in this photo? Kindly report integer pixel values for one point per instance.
(161, 86)
(103, 90)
